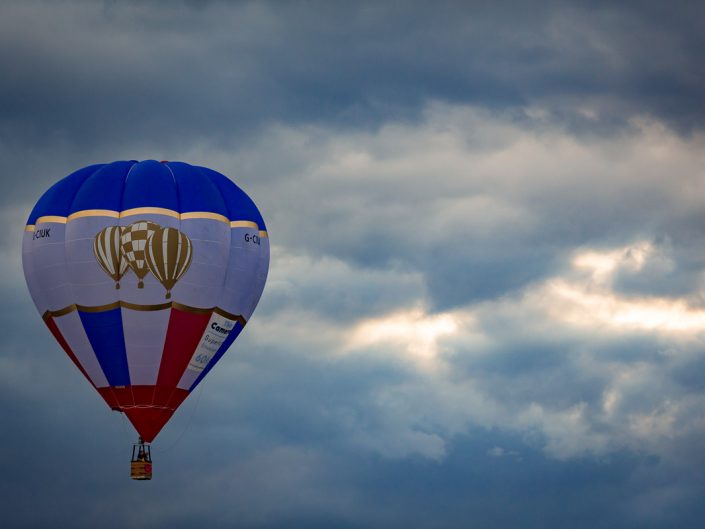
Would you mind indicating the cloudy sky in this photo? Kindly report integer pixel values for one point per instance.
(486, 301)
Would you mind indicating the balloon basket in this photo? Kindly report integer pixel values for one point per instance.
(141, 464)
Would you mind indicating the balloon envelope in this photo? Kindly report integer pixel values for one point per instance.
(145, 273)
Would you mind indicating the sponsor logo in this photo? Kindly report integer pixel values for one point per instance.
(218, 328)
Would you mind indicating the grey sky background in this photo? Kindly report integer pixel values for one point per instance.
(486, 299)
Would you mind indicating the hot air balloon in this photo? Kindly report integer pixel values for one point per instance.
(145, 273)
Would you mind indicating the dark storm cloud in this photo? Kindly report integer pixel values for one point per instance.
(429, 174)
(173, 72)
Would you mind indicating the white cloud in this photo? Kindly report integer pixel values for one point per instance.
(433, 403)
(416, 334)
(482, 184)
(589, 301)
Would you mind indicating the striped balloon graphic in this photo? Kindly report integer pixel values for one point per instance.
(133, 242)
(108, 252)
(168, 254)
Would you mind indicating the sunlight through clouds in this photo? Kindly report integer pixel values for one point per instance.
(576, 305)
(602, 264)
(414, 332)
(593, 303)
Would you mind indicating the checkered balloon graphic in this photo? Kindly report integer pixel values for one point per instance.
(134, 242)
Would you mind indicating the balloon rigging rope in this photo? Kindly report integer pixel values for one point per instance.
(126, 431)
(188, 422)
(124, 422)
(128, 435)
